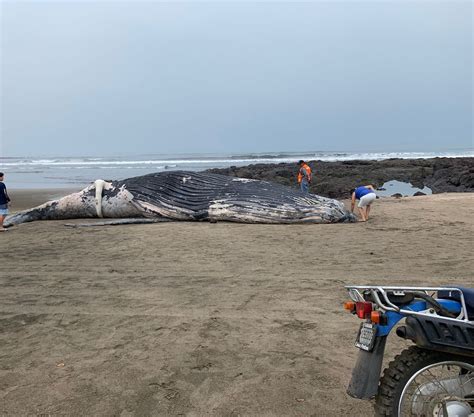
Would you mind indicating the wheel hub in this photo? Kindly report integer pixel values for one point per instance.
(443, 389)
(452, 408)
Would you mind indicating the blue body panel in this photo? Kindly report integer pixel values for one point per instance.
(393, 318)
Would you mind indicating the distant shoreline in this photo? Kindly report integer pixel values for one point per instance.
(331, 178)
(65, 172)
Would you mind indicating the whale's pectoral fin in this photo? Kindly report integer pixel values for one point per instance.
(118, 222)
(153, 211)
(99, 188)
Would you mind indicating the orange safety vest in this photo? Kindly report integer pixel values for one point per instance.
(308, 171)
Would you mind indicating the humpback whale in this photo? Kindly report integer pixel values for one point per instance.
(183, 195)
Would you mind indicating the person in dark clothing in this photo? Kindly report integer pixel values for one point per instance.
(4, 200)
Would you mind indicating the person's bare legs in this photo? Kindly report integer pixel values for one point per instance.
(362, 212)
(367, 211)
(2, 218)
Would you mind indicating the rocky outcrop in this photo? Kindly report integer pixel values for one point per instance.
(335, 179)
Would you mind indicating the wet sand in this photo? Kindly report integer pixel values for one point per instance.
(202, 319)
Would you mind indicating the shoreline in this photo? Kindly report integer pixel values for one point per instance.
(331, 179)
(23, 199)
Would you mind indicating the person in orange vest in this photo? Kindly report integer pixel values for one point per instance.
(304, 176)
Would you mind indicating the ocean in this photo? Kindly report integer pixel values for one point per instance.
(78, 172)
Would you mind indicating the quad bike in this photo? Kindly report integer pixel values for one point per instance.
(432, 378)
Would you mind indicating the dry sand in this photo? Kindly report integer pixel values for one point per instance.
(202, 319)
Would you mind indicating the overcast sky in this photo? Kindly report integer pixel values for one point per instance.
(103, 78)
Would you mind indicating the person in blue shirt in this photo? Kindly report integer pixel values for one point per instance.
(4, 200)
(366, 196)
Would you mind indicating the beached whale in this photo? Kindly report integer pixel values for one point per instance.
(182, 195)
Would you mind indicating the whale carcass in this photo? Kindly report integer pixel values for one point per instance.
(182, 195)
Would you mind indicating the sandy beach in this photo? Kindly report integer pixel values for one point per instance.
(200, 319)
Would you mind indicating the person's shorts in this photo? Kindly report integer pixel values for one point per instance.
(3, 209)
(366, 200)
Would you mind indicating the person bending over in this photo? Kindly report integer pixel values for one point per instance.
(4, 200)
(366, 196)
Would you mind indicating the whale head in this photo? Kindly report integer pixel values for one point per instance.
(100, 199)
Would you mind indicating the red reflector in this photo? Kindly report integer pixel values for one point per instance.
(363, 309)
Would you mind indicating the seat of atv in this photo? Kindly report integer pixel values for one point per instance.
(468, 298)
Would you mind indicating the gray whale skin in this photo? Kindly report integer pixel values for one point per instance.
(182, 195)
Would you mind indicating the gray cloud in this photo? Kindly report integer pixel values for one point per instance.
(90, 78)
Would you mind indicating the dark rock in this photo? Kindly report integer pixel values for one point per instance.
(336, 179)
(397, 195)
(418, 193)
